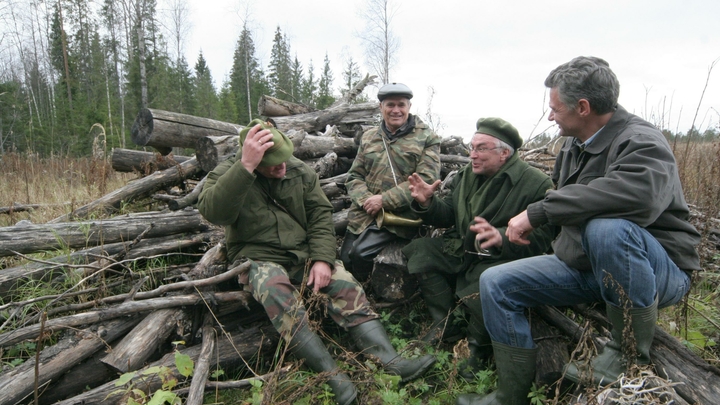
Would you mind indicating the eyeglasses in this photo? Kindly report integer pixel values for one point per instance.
(482, 150)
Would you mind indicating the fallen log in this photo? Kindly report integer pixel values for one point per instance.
(138, 188)
(345, 114)
(340, 220)
(311, 147)
(55, 267)
(129, 160)
(202, 367)
(19, 382)
(701, 381)
(212, 150)
(74, 235)
(325, 165)
(27, 207)
(126, 308)
(269, 106)
(144, 340)
(390, 279)
(229, 355)
(189, 199)
(164, 130)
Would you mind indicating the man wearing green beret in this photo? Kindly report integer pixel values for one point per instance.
(495, 186)
(276, 215)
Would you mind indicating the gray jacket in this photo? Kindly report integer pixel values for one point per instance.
(628, 171)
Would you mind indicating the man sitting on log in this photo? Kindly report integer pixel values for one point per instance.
(625, 239)
(377, 181)
(495, 186)
(276, 215)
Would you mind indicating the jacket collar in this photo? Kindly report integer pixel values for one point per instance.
(606, 135)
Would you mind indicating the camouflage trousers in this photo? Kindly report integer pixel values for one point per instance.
(272, 287)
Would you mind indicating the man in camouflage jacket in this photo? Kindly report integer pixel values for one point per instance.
(377, 181)
(276, 215)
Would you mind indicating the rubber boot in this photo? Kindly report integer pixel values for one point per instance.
(440, 302)
(515, 371)
(609, 364)
(371, 338)
(305, 344)
(481, 350)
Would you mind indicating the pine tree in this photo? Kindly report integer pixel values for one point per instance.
(351, 76)
(297, 83)
(205, 96)
(279, 75)
(325, 97)
(309, 87)
(247, 82)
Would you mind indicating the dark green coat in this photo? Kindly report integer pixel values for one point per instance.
(257, 228)
(497, 199)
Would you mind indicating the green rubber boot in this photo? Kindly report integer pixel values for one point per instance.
(440, 302)
(609, 364)
(371, 338)
(516, 373)
(481, 350)
(305, 344)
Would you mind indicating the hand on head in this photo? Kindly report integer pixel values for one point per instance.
(258, 141)
(421, 191)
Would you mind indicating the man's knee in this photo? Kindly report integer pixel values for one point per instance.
(602, 233)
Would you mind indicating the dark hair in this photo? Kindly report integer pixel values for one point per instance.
(586, 77)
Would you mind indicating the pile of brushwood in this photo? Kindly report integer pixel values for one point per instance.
(149, 299)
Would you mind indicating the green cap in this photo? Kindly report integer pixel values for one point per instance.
(282, 147)
(500, 129)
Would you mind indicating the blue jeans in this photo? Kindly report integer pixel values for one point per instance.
(629, 253)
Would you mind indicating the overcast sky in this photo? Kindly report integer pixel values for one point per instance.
(490, 58)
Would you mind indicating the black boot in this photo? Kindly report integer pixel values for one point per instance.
(440, 302)
(480, 350)
(371, 338)
(515, 371)
(305, 344)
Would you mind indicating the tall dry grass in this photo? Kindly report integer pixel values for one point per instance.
(58, 184)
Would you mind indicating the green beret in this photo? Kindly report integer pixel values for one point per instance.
(500, 129)
(282, 147)
(394, 89)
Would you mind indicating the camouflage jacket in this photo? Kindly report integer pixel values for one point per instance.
(371, 174)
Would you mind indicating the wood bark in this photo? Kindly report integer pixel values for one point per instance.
(189, 199)
(19, 382)
(212, 150)
(127, 308)
(164, 130)
(144, 340)
(10, 278)
(340, 220)
(325, 165)
(230, 354)
(129, 160)
(701, 381)
(345, 114)
(202, 367)
(390, 279)
(311, 147)
(274, 107)
(111, 202)
(74, 235)
(26, 207)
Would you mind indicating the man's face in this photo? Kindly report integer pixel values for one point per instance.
(485, 156)
(567, 119)
(395, 112)
(273, 172)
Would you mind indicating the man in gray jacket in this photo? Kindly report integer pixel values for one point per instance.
(625, 239)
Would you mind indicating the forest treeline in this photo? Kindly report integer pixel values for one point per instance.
(72, 71)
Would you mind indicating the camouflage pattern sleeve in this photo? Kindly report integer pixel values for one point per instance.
(427, 165)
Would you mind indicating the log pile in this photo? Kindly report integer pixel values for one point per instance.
(128, 324)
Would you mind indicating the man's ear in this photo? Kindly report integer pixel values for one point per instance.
(583, 107)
